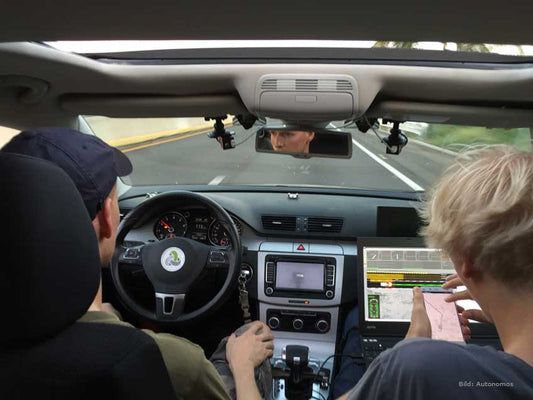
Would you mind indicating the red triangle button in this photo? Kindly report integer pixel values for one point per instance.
(301, 247)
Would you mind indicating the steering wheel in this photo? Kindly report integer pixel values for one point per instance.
(174, 264)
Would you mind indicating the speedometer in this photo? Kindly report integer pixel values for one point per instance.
(170, 225)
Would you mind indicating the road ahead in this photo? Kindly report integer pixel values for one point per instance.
(197, 159)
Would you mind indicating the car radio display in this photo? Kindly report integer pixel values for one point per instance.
(299, 276)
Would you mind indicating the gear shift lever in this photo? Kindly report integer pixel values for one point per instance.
(296, 357)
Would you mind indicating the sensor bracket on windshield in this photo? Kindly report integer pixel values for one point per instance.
(396, 141)
(223, 136)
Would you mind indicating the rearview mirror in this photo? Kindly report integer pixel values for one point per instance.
(304, 143)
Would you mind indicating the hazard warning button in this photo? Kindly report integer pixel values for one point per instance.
(300, 247)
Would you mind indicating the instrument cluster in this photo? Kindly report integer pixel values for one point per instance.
(194, 224)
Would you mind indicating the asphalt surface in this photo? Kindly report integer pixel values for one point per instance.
(198, 159)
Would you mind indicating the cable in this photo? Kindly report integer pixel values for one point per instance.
(381, 140)
(320, 394)
(252, 134)
(355, 358)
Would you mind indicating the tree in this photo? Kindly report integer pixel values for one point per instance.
(475, 48)
(396, 45)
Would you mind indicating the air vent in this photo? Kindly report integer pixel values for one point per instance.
(344, 85)
(331, 225)
(279, 223)
(307, 85)
(270, 84)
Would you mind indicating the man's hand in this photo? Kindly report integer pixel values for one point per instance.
(420, 325)
(250, 349)
(452, 282)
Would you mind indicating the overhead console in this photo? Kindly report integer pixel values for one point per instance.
(307, 97)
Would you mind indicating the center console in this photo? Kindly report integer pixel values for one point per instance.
(299, 291)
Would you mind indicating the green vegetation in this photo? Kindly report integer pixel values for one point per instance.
(451, 46)
(455, 137)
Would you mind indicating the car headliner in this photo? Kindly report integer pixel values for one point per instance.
(44, 86)
(474, 21)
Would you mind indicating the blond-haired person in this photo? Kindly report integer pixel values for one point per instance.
(480, 213)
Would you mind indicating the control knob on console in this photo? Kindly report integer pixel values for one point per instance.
(322, 325)
(273, 322)
(297, 324)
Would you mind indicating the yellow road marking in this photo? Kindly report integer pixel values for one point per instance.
(167, 140)
(129, 141)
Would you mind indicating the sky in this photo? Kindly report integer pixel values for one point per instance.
(116, 46)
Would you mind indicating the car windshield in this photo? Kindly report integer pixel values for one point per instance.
(180, 151)
(119, 46)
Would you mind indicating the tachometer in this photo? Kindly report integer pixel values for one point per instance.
(169, 225)
(218, 235)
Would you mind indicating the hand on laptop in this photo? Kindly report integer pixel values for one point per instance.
(452, 282)
(420, 325)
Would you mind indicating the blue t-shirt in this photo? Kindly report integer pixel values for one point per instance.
(433, 369)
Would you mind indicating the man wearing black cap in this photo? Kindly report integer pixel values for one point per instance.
(94, 167)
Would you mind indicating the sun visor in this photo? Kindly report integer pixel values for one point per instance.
(307, 97)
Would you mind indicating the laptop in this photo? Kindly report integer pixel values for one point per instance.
(387, 270)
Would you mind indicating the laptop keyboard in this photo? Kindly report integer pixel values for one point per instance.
(373, 347)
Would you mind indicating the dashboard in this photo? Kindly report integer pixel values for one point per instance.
(300, 250)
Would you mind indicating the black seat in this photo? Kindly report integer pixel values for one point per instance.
(49, 275)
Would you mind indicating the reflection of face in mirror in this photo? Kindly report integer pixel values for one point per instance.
(304, 143)
(291, 141)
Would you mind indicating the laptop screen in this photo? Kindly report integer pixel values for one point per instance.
(390, 273)
(387, 270)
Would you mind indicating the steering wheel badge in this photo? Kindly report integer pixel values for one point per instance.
(173, 259)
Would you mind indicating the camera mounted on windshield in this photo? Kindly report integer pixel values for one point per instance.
(396, 141)
(247, 120)
(223, 136)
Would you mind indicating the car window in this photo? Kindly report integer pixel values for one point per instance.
(179, 151)
(6, 134)
(119, 46)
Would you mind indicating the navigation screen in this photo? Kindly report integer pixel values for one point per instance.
(299, 276)
(391, 273)
(443, 318)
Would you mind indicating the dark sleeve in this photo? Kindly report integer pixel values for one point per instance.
(373, 384)
(395, 374)
(417, 369)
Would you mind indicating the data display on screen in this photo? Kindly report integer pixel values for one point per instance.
(443, 318)
(391, 273)
(299, 276)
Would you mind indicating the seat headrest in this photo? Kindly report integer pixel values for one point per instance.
(50, 268)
